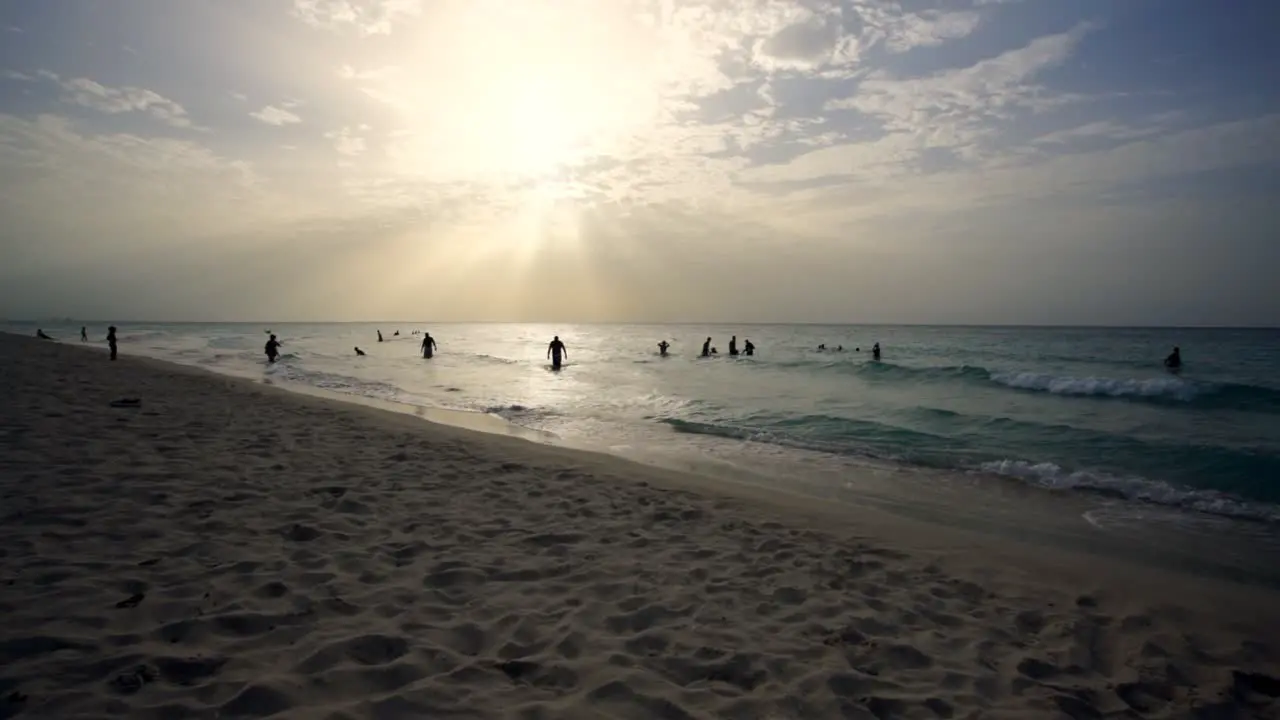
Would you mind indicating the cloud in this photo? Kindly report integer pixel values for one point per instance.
(277, 116)
(116, 100)
(928, 29)
(347, 142)
(20, 77)
(367, 17)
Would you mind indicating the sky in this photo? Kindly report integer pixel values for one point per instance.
(1104, 162)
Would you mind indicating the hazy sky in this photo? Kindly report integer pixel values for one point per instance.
(1033, 161)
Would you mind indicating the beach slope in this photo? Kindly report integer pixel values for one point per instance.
(227, 549)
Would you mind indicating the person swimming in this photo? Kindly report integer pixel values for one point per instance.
(822, 347)
(706, 348)
(428, 345)
(1174, 361)
(554, 351)
(272, 349)
(662, 348)
(875, 351)
(747, 348)
(733, 345)
(359, 352)
(839, 348)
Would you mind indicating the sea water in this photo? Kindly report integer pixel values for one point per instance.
(1083, 411)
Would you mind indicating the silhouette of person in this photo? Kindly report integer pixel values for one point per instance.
(272, 349)
(706, 348)
(111, 340)
(662, 348)
(839, 348)
(41, 334)
(1174, 361)
(379, 336)
(823, 346)
(396, 334)
(747, 348)
(554, 350)
(875, 351)
(84, 335)
(733, 345)
(359, 352)
(428, 345)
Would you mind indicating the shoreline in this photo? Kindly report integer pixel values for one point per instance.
(993, 507)
(233, 549)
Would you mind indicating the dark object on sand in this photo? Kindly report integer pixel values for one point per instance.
(126, 403)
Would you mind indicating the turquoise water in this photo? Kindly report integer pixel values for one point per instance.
(1085, 411)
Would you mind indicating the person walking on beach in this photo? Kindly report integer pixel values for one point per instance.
(84, 334)
(554, 350)
(272, 349)
(111, 340)
(428, 345)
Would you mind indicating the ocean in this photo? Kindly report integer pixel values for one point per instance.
(1089, 414)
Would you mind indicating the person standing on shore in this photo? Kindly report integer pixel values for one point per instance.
(554, 350)
(111, 340)
(84, 334)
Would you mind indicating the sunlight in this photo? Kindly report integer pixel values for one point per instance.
(489, 93)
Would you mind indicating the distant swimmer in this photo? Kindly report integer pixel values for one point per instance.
(1174, 361)
(111, 340)
(662, 348)
(272, 349)
(396, 334)
(875, 351)
(41, 334)
(715, 351)
(706, 348)
(839, 348)
(379, 336)
(84, 335)
(554, 350)
(822, 347)
(748, 349)
(733, 345)
(359, 352)
(428, 345)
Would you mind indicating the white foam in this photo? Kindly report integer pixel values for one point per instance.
(1169, 387)
(1051, 476)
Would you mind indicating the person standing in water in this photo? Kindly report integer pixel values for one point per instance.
(1174, 361)
(662, 348)
(84, 334)
(379, 336)
(706, 348)
(747, 348)
(359, 352)
(733, 345)
(111, 340)
(554, 350)
(875, 351)
(428, 346)
(272, 349)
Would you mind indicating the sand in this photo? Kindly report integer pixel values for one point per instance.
(228, 549)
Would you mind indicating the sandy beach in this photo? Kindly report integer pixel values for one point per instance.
(227, 549)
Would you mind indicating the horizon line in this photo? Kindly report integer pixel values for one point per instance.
(268, 323)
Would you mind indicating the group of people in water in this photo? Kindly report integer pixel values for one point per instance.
(557, 353)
